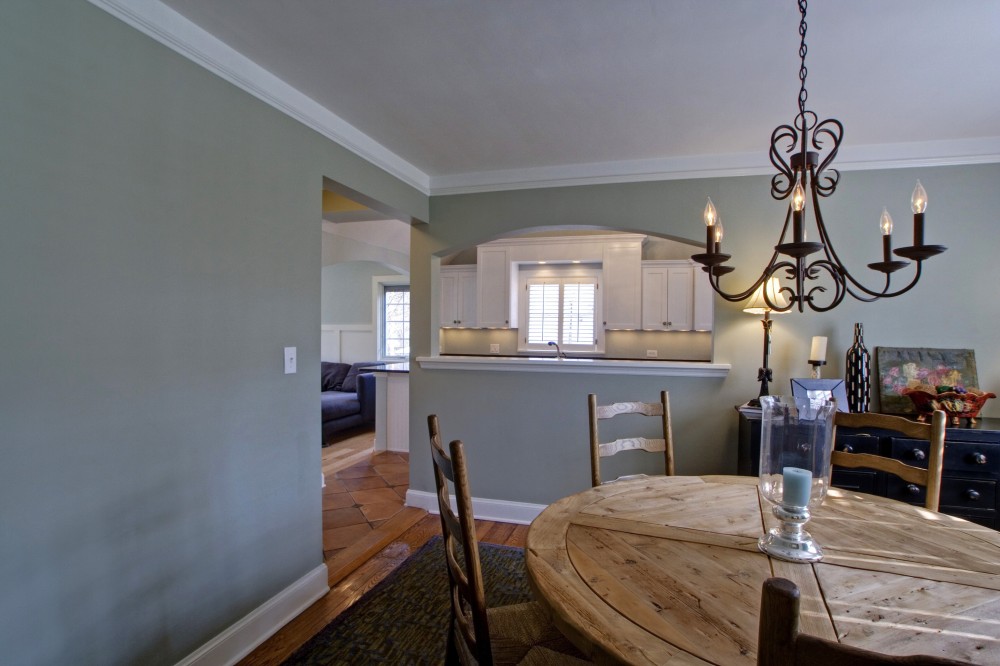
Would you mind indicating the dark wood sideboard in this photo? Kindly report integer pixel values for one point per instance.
(971, 465)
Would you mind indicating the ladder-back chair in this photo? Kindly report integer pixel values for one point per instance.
(932, 432)
(599, 450)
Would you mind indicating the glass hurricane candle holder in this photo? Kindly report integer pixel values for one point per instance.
(795, 447)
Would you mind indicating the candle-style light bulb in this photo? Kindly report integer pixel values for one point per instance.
(717, 230)
(710, 215)
(798, 203)
(885, 223)
(918, 202)
(798, 198)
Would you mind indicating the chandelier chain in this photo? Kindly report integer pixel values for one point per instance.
(803, 49)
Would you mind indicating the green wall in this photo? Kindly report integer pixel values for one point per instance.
(160, 245)
(526, 433)
(347, 292)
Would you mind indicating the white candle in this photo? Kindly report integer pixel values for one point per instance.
(796, 486)
(818, 351)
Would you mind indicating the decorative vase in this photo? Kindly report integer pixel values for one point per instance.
(858, 382)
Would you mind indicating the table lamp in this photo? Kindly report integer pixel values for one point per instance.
(758, 305)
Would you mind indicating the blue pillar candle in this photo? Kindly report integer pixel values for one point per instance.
(796, 486)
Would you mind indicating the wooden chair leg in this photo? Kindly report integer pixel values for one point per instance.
(451, 657)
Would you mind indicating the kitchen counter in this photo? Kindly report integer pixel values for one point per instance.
(593, 366)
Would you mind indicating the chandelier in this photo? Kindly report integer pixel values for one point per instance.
(805, 176)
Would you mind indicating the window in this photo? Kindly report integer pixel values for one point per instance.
(395, 322)
(561, 305)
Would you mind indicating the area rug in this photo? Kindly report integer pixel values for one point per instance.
(404, 619)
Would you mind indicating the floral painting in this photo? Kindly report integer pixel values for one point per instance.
(917, 367)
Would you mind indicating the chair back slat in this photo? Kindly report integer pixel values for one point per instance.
(465, 575)
(600, 449)
(933, 433)
(644, 408)
(632, 444)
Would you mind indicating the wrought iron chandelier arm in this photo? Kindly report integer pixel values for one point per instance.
(855, 288)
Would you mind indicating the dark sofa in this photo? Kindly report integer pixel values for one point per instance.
(348, 397)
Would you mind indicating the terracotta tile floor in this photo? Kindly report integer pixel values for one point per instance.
(359, 498)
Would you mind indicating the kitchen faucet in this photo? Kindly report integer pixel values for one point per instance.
(559, 352)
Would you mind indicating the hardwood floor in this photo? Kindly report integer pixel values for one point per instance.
(355, 569)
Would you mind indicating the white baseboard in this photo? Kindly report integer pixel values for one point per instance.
(521, 513)
(240, 639)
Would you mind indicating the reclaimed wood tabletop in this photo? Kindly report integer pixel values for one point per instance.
(666, 570)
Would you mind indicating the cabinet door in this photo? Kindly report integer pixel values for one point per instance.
(667, 296)
(493, 287)
(448, 309)
(654, 298)
(466, 300)
(680, 298)
(704, 302)
(458, 297)
(622, 271)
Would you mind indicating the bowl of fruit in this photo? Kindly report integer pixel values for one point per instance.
(958, 402)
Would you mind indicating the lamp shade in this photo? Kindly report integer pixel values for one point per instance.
(757, 304)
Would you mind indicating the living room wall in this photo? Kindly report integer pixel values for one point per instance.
(347, 291)
(161, 244)
(526, 433)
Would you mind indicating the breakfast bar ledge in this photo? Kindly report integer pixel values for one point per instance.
(590, 366)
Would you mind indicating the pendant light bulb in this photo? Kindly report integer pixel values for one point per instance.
(798, 198)
(918, 202)
(710, 215)
(885, 223)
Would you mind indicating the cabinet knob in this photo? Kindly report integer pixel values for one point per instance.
(918, 454)
(972, 495)
(979, 458)
(665, 324)
(847, 448)
(913, 489)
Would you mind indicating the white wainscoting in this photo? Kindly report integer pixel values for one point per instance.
(355, 342)
(503, 511)
(240, 639)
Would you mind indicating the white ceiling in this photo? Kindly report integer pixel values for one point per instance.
(458, 95)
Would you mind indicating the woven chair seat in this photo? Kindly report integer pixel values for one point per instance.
(522, 634)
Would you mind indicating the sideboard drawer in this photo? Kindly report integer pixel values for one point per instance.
(910, 451)
(857, 443)
(968, 493)
(971, 457)
(860, 481)
(897, 489)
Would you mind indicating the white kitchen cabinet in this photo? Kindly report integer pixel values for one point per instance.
(622, 268)
(458, 297)
(668, 295)
(493, 288)
(704, 301)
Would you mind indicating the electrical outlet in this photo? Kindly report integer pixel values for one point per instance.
(290, 360)
(494, 348)
(651, 353)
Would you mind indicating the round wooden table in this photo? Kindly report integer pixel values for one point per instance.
(666, 570)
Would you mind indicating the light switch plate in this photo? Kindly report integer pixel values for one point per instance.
(290, 355)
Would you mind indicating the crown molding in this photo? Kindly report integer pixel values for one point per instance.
(166, 26)
(857, 158)
(156, 20)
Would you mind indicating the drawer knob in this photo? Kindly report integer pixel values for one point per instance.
(913, 489)
(918, 454)
(847, 448)
(972, 495)
(979, 458)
